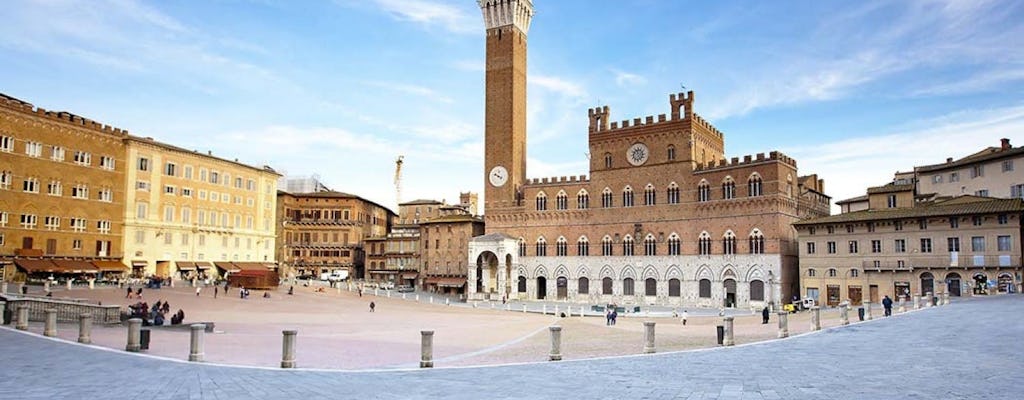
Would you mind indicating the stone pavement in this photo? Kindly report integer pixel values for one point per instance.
(970, 349)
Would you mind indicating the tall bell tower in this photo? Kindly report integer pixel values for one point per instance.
(507, 22)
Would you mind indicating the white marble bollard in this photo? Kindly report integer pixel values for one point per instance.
(46, 285)
(903, 305)
(508, 307)
(134, 335)
(556, 343)
(917, 303)
(783, 324)
(648, 337)
(417, 298)
(945, 299)
(867, 311)
(92, 284)
(426, 349)
(288, 349)
(447, 301)
(556, 311)
(85, 328)
(844, 314)
(544, 309)
(403, 296)
(22, 322)
(195, 348)
(69, 284)
(431, 299)
(931, 300)
(50, 329)
(815, 318)
(729, 339)
(524, 307)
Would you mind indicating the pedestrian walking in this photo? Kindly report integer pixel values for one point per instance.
(215, 290)
(372, 306)
(608, 318)
(764, 316)
(685, 314)
(887, 304)
(129, 295)
(198, 289)
(615, 315)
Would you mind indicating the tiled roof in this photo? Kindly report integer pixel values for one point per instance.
(420, 201)
(890, 188)
(990, 153)
(961, 205)
(853, 200)
(453, 218)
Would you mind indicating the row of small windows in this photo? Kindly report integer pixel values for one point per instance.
(57, 153)
(203, 217)
(651, 287)
(55, 188)
(1003, 243)
(650, 195)
(650, 245)
(212, 176)
(832, 273)
(54, 223)
(922, 224)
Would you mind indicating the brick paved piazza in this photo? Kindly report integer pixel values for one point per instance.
(970, 349)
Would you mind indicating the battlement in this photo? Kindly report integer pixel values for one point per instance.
(558, 180)
(61, 116)
(700, 121)
(681, 109)
(760, 158)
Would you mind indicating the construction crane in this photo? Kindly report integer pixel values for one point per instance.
(398, 180)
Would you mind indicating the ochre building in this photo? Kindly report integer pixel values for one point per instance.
(663, 217)
(904, 245)
(62, 180)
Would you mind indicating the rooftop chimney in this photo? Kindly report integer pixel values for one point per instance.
(949, 159)
(1005, 143)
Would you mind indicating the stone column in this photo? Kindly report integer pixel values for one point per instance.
(783, 324)
(426, 349)
(471, 281)
(844, 314)
(288, 349)
(903, 306)
(556, 343)
(22, 322)
(485, 278)
(729, 339)
(867, 311)
(50, 328)
(648, 337)
(21, 287)
(195, 348)
(815, 318)
(85, 328)
(134, 335)
(502, 279)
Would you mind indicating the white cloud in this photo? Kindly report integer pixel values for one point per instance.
(411, 89)
(563, 87)
(626, 79)
(431, 13)
(850, 166)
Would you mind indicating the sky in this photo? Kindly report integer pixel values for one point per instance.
(854, 91)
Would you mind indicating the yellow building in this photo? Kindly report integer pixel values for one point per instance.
(61, 194)
(192, 214)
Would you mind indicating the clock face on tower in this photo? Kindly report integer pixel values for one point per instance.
(498, 176)
(637, 154)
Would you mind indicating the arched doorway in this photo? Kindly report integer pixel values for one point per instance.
(542, 287)
(1005, 282)
(486, 273)
(730, 292)
(562, 288)
(927, 283)
(980, 283)
(522, 284)
(953, 284)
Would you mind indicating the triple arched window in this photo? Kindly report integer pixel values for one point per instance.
(606, 198)
(673, 193)
(627, 246)
(542, 201)
(704, 191)
(728, 189)
(754, 185)
(541, 247)
(562, 201)
(673, 245)
(704, 244)
(729, 243)
(650, 246)
(582, 200)
(582, 247)
(650, 195)
(606, 246)
(627, 197)
(756, 242)
(561, 247)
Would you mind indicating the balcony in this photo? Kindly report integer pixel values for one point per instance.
(948, 260)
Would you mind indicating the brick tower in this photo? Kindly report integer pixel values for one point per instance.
(507, 22)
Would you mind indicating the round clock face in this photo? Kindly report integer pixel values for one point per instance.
(498, 176)
(637, 154)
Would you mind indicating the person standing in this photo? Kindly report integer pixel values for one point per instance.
(198, 289)
(215, 290)
(764, 316)
(685, 314)
(608, 318)
(887, 304)
(372, 306)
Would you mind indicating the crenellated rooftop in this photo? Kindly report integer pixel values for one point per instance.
(746, 160)
(681, 110)
(558, 180)
(61, 116)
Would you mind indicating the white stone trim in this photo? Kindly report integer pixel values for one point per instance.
(500, 13)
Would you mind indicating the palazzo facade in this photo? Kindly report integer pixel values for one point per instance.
(663, 218)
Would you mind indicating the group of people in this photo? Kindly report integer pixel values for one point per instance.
(133, 293)
(611, 315)
(156, 315)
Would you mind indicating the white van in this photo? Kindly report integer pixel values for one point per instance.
(334, 276)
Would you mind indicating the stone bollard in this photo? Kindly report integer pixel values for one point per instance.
(69, 284)
(544, 309)
(867, 311)
(46, 285)
(92, 284)
(431, 299)
(648, 337)
(50, 329)
(903, 306)
(556, 343)
(447, 301)
(426, 349)
(524, 307)
(417, 298)
(85, 328)
(729, 339)
(288, 349)
(403, 296)
(389, 294)
(783, 324)
(195, 349)
(945, 299)
(556, 310)
(134, 335)
(22, 322)
(929, 300)
(844, 314)
(917, 304)
(815, 318)
(508, 307)
(924, 302)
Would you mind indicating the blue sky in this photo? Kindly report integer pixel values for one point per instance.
(853, 90)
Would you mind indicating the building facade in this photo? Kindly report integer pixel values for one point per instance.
(663, 217)
(991, 172)
(963, 245)
(325, 232)
(444, 242)
(62, 196)
(190, 214)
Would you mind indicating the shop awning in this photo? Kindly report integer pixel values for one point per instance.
(203, 265)
(139, 263)
(227, 266)
(110, 266)
(76, 266)
(447, 282)
(256, 266)
(31, 266)
(409, 275)
(185, 265)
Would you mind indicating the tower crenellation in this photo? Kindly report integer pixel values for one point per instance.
(599, 118)
(500, 13)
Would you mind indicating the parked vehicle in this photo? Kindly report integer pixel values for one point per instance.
(405, 289)
(334, 276)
